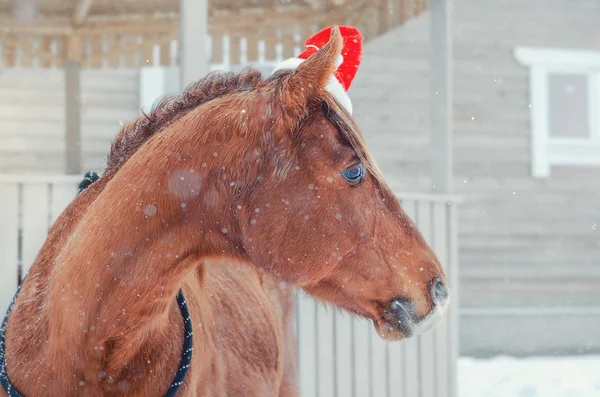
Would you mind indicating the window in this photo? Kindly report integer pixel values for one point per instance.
(565, 107)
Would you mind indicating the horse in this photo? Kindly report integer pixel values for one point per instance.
(237, 180)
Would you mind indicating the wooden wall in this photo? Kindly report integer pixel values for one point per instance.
(32, 116)
(529, 249)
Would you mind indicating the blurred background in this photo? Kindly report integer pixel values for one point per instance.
(484, 116)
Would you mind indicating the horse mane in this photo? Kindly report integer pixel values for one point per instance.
(214, 85)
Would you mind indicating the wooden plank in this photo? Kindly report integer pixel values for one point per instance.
(73, 117)
(39, 128)
(234, 50)
(252, 49)
(97, 54)
(325, 351)
(27, 52)
(45, 48)
(307, 346)
(174, 54)
(22, 113)
(261, 52)
(299, 295)
(74, 48)
(410, 207)
(288, 43)
(440, 247)
(270, 48)
(413, 8)
(9, 52)
(452, 315)
(193, 40)
(151, 54)
(243, 51)
(383, 16)
(394, 13)
(411, 345)
(424, 220)
(165, 54)
(59, 51)
(379, 365)
(247, 21)
(53, 26)
(36, 214)
(412, 367)
(127, 58)
(138, 50)
(441, 95)
(362, 357)
(401, 11)
(111, 56)
(226, 53)
(343, 354)
(396, 368)
(426, 341)
(127, 27)
(9, 243)
(81, 11)
(111, 81)
(20, 144)
(301, 34)
(216, 49)
(62, 195)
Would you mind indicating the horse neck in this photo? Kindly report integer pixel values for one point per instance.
(113, 286)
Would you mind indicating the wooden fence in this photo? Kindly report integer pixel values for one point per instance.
(112, 53)
(240, 37)
(338, 355)
(342, 356)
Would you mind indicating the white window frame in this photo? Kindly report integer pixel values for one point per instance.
(546, 150)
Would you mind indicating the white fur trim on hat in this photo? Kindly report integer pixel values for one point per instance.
(334, 87)
(291, 63)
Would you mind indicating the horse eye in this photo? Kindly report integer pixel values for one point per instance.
(354, 174)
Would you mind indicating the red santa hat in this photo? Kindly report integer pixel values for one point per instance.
(347, 63)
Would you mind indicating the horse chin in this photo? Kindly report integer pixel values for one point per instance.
(393, 329)
(390, 333)
(383, 327)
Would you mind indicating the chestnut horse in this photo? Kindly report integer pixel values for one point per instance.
(237, 181)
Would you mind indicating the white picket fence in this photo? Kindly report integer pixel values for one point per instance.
(338, 355)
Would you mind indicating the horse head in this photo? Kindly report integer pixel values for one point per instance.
(304, 200)
(274, 172)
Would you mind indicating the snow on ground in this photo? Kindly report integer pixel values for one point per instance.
(574, 376)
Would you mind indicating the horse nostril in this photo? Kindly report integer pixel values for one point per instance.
(439, 293)
(402, 308)
(401, 314)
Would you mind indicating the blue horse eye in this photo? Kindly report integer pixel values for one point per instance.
(354, 173)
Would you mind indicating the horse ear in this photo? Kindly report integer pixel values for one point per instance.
(316, 71)
(311, 76)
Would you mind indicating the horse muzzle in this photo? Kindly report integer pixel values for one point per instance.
(401, 315)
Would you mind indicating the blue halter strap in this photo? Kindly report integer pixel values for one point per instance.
(184, 363)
